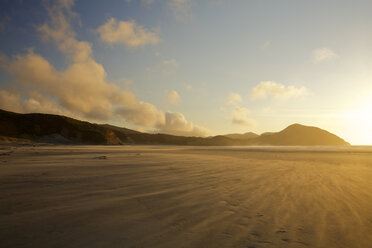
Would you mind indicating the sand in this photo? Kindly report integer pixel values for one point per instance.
(164, 196)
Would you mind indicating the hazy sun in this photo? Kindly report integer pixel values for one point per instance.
(361, 121)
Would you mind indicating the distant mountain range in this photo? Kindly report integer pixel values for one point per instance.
(47, 128)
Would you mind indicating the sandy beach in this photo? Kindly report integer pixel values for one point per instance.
(168, 196)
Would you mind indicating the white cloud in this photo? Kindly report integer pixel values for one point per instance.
(167, 67)
(276, 90)
(173, 97)
(266, 110)
(141, 113)
(60, 31)
(147, 1)
(176, 124)
(266, 45)
(82, 88)
(240, 117)
(233, 99)
(36, 103)
(142, 1)
(237, 115)
(180, 8)
(171, 63)
(10, 101)
(127, 33)
(323, 55)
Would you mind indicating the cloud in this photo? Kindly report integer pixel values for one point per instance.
(12, 101)
(142, 113)
(147, 1)
(142, 1)
(4, 22)
(176, 123)
(272, 89)
(323, 55)
(180, 8)
(240, 117)
(127, 33)
(82, 88)
(173, 97)
(171, 63)
(167, 67)
(265, 45)
(233, 99)
(59, 30)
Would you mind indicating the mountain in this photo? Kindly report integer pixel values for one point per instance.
(299, 135)
(48, 128)
(244, 136)
(267, 133)
(53, 129)
(120, 129)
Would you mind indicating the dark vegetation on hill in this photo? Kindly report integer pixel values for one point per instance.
(49, 128)
(299, 135)
(243, 136)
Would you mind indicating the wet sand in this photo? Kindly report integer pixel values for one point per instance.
(164, 196)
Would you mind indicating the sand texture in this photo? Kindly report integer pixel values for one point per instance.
(164, 196)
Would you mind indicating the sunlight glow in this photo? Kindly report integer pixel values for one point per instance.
(361, 122)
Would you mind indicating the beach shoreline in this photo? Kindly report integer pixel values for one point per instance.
(179, 196)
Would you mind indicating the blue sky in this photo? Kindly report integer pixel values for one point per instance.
(192, 67)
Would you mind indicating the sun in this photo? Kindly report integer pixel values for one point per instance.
(365, 114)
(360, 119)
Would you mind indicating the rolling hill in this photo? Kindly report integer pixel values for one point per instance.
(48, 128)
(299, 135)
(244, 136)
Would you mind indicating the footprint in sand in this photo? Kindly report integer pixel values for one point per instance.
(100, 157)
(256, 234)
(6, 153)
(281, 230)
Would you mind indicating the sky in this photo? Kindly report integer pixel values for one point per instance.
(194, 68)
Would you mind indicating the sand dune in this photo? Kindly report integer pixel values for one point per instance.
(164, 196)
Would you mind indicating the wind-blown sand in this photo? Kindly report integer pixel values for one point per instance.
(163, 196)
